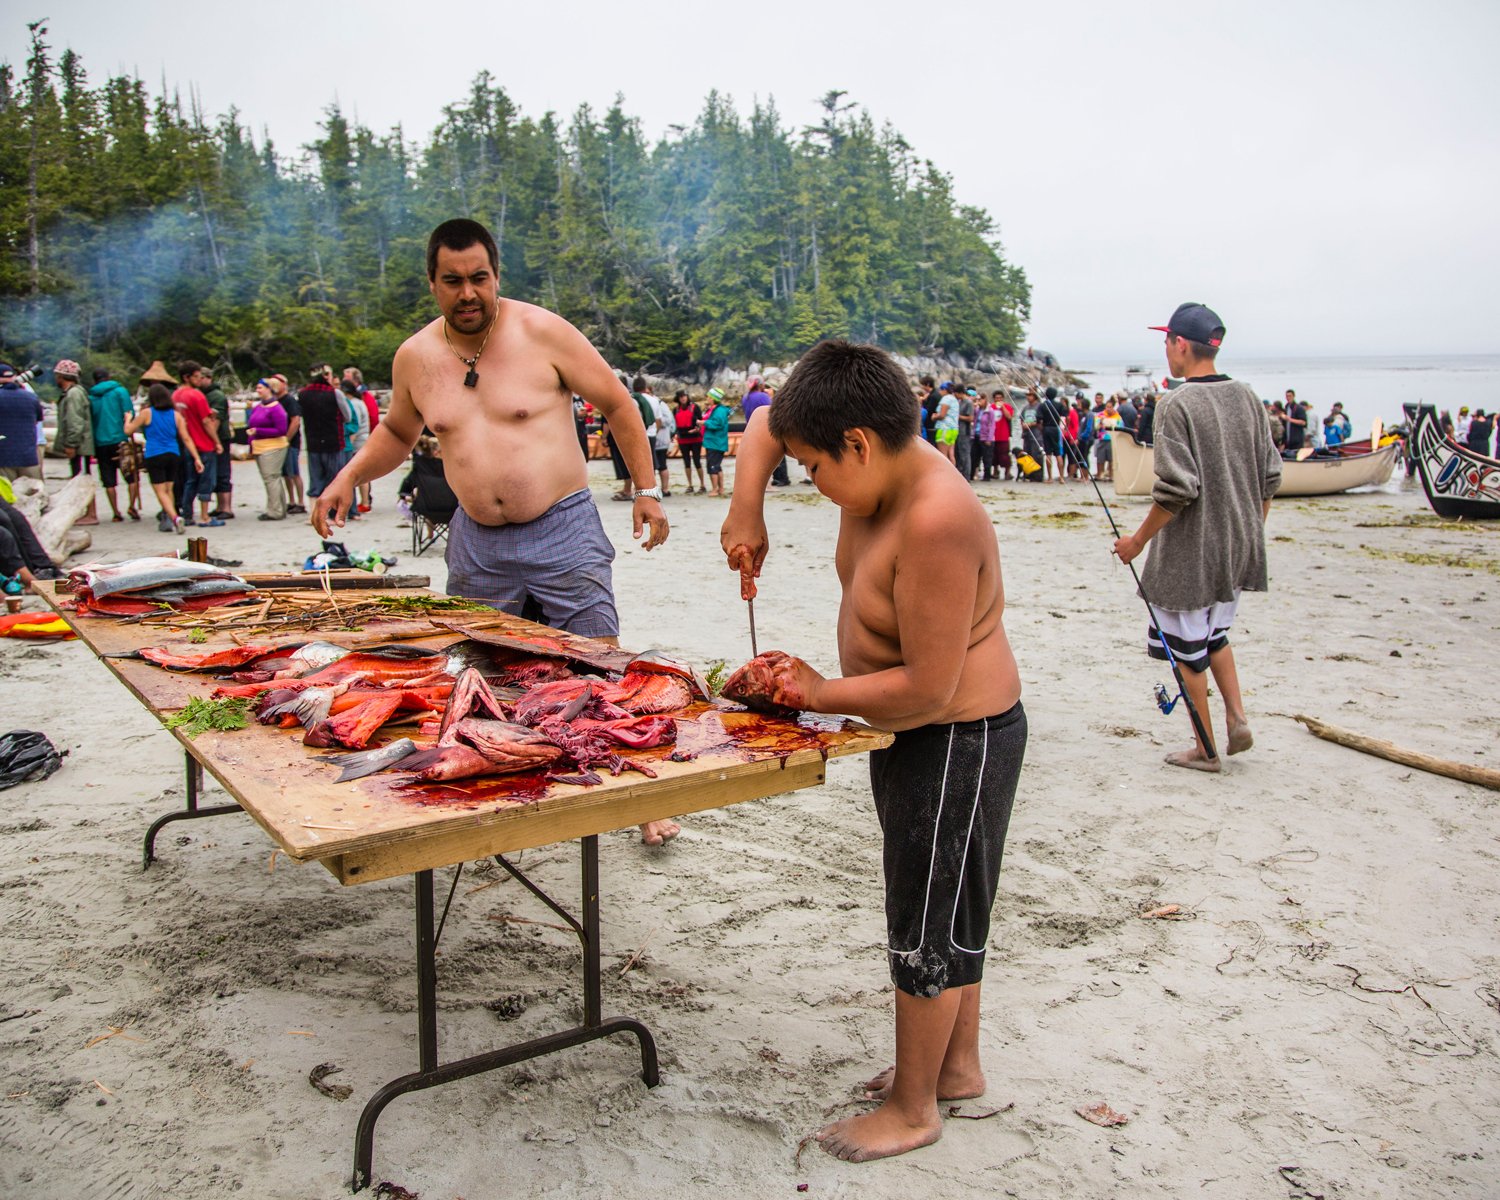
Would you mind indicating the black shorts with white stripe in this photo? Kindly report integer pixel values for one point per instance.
(944, 794)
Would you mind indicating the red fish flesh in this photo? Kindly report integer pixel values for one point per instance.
(649, 692)
(655, 662)
(577, 650)
(510, 747)
(215, 660)
(567, 699)
(639, 733)
(447, 762)
(471, 696)
(354, 728)
(378, 669)
(527, 672)
(762, 682)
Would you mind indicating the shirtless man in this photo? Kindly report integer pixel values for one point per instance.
(494, 379)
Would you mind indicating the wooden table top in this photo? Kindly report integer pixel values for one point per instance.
(376, 827)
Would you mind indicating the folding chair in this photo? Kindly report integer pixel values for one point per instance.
(432, 504)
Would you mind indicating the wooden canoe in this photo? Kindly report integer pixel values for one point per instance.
(1459, 482)
(1135, 470)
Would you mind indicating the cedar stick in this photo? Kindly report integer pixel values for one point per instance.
(1483, 776)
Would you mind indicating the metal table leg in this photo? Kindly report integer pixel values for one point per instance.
(192, 812)
(431, 1074)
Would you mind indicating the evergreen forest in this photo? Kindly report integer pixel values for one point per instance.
(135, 227)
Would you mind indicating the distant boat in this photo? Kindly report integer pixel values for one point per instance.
(1135, 470)
(1459, 482)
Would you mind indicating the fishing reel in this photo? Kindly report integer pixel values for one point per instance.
(1164, 701)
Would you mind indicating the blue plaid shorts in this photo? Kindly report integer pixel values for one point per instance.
(560, 562)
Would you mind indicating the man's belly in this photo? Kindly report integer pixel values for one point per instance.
(498, 493)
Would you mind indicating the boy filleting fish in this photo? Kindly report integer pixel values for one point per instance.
(924, 654)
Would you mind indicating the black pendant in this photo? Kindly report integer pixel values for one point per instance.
(472, 378)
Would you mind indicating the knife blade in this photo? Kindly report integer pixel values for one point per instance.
(754, 650)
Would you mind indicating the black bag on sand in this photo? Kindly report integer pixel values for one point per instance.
(26, 757)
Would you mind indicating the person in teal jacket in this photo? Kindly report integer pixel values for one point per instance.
(716, 438)
(111, 407)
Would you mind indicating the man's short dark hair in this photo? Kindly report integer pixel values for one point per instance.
(187, 368)
(101, 374)
(928, 381)
(839, 386)
(638, 384)
(1202, 349)
(459, 234)
(317, 371)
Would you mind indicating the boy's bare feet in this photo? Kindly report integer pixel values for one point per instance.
(659, 833)
(958, 1085)
(879, 1134)
(1240, 738)
(1194, 761)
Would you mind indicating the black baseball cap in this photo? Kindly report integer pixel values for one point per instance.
(1196, 322)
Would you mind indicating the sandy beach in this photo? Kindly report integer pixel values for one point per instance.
(1321, 1023)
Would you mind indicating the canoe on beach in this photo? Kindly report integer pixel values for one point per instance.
(1135, 470)
(1459, 482)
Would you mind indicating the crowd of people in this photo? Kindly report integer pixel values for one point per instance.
(177, 431)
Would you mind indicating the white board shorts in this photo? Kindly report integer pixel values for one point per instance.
(1192, 634)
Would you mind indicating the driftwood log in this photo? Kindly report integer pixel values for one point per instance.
(52, 516)
(1484, 776)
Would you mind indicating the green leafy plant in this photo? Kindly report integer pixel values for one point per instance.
(200, 715)
(718, 672)
(417, 605)
(197, 636)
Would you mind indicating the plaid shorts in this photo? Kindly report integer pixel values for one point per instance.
(560, 561)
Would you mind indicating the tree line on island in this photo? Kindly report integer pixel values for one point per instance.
(133, 227)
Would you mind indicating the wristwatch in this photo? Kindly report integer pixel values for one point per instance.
(651, 493)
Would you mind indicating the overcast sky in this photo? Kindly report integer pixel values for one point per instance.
(1323, 173)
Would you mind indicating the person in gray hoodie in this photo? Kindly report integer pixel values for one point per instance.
(1216, 471)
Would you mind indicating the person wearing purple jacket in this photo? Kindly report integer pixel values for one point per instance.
(267, 426)
(756, 397)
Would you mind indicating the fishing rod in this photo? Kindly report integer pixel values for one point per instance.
(1163, 702)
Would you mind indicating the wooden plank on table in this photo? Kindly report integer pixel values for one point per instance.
(338, 580)
(538, 825)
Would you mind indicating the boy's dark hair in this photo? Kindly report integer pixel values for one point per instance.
(840, 386)
(188, 367)
(101, 374)
(459, 234)
(638, 384)
(928, 381)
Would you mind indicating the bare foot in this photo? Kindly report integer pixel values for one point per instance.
(1194, 761)
(1240, 738)
(659, 833)
(878, 1134)
(958, 1086)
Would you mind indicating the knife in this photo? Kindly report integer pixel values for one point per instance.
(747, 592)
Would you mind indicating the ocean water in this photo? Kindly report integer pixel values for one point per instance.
(1368, 387)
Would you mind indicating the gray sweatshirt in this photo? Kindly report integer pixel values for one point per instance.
(1215, 466)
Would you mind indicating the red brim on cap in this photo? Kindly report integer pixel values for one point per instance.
(1160, 328)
